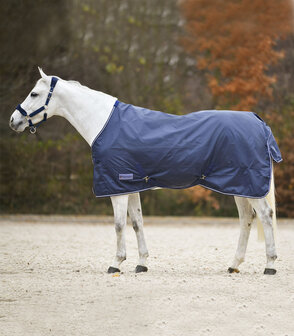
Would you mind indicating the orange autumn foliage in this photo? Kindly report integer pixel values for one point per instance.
(199, 194)
(234, 40)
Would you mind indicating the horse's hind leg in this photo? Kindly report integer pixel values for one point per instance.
(265, 214)
(246, 216)
(135, 212)
(120, 206)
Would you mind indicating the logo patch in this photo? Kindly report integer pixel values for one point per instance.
(126, 176)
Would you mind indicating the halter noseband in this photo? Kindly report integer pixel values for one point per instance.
(33, 127)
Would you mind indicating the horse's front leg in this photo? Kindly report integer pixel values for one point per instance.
(120, 206)
(135, 212)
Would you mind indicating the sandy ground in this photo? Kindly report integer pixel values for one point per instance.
(53, 280)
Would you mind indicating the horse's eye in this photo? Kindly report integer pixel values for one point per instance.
(34, 94)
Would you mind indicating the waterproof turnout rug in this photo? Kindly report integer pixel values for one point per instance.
(227, 151)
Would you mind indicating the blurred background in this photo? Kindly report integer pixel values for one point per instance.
(168, 55)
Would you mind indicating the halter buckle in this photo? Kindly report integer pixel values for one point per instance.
(33, 129)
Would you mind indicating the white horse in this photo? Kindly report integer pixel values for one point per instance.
(88, 111)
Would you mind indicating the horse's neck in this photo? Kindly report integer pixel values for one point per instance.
(87, 110)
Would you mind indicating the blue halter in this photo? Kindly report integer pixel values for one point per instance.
(33, 127)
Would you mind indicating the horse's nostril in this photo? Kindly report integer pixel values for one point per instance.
(11, 119)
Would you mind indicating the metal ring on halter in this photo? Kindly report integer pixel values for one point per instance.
(33, 129)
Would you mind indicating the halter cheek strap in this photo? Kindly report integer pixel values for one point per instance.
(33, 127)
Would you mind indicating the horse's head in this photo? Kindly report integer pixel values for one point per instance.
(35, 108)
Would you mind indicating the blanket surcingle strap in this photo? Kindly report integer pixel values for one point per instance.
(138, 149)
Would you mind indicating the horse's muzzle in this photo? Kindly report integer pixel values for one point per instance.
(14, 125)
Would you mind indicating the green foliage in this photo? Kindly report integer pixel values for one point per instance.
(45, 176)
(112, 68)
(132, 51)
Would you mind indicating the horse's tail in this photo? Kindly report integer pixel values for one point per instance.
(270, 197)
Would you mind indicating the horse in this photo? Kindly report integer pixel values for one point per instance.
(89, 111)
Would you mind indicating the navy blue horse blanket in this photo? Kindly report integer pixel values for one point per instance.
(229, 152)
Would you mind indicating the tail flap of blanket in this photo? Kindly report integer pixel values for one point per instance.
(274, 149)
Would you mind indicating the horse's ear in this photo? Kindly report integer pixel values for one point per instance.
(42, 73)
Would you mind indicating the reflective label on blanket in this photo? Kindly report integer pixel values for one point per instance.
(126, 176)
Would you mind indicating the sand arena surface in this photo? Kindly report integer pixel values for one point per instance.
(53, 279)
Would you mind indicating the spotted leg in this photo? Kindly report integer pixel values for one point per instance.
(135, 212)
(120, 206)
(265, 214)
(246, 216)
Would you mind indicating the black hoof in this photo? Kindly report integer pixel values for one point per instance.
(113, 270)
(271, 271)
(233, 270)
(140, 269)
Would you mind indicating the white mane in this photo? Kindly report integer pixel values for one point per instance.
(75, 83)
